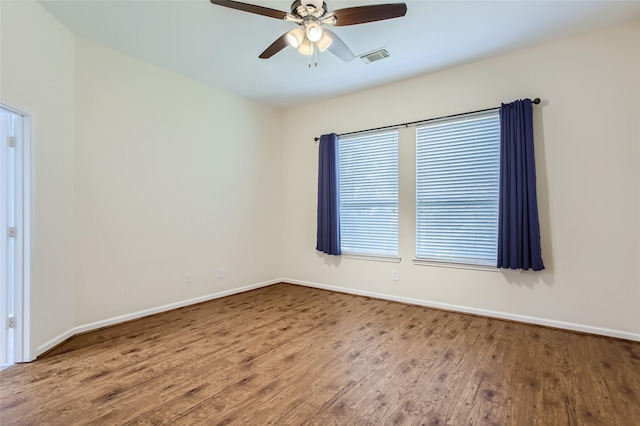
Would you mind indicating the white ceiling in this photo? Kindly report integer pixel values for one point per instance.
(220, 46)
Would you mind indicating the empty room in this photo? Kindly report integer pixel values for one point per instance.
(351, 212)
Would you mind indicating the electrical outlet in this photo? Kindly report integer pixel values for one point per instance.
(394, 275)
(220, 273)
(188, 278)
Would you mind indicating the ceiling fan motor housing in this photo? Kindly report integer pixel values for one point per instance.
(304, 8)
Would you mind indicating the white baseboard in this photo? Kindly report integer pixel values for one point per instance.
(456, 308)
(469, 310)
(135, 315)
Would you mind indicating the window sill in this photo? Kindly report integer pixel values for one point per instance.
(425, 262)
(389, 259)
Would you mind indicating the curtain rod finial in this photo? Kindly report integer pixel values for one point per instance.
(536, 101)
(316, 139)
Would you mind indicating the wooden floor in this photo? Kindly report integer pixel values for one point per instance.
(291, 355)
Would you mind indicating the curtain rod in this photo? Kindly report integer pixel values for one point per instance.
(411, 123)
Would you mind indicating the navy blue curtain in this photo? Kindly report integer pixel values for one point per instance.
(518, 228)
(328, 240)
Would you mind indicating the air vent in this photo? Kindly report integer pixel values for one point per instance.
(376, 55)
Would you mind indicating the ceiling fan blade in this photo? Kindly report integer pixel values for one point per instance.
(372, 13)
(251, 8)
(275, 47)
(338, 47)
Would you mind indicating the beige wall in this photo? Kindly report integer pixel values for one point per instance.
(172, 177)
(37, 77)
(587, 141)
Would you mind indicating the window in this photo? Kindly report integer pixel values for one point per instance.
(368, 166)
(457, 183)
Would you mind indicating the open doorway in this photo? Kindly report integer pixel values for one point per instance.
(14, 228)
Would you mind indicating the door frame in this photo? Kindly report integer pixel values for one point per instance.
(22, 239)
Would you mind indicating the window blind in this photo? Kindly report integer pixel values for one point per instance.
(368, 167)
(457, 183)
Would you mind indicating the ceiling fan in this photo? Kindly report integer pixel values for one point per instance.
(310, 16)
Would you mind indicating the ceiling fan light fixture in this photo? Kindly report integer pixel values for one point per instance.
(306, 47)
(295, 37)
(313, 31)
(324, 42)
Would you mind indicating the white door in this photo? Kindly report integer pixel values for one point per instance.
(13, 235)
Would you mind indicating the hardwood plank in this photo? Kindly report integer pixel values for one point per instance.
(291, 355)
(296, 350)
(126, 392)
